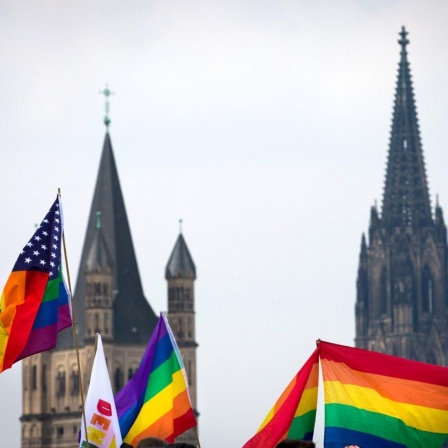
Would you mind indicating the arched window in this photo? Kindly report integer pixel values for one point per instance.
(97, 323)
(44, 377)
(383, 291)
(60, 384)
(74, 383)
(131, 372)
(427, 291)
(33, 431)
(190, 327)
(118, 379)
(34, 378)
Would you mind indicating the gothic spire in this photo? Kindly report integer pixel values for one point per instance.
(406, 197)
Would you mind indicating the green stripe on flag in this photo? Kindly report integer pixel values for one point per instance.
(302, 425)
(52, 289)
(389, 428)
(162, 376)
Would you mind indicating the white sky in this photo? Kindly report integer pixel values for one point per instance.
(263, 124)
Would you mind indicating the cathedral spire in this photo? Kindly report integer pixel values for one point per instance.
(406, 197)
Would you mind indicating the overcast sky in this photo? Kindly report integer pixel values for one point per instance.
(263, 124)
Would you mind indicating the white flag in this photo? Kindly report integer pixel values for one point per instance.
(103, 430)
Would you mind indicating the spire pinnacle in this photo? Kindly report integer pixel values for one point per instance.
(180, 226)
(107, 93)
(404, 40)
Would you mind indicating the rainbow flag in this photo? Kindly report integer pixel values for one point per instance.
(35, 305)
(294, 414)
(156, 402)
(374, 400)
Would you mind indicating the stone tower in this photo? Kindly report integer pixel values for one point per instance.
(99, 290)
(401, 304)
(180, 273)
(108, 298)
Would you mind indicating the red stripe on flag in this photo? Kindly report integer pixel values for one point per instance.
(172, 424)
(185, 422)
(382, 364)
(25, 310)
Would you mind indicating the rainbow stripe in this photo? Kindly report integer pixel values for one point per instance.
(34, 304)
(374, 400)
(156, 402)
(294, 414)
(53, 315)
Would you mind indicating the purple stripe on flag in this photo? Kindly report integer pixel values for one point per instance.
(129, 400)
(64, 317)
(45, 338)
(40, 339)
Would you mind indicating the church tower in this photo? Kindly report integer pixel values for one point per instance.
(108, 298)
(99, 290)
(401, 304)
(180, 273)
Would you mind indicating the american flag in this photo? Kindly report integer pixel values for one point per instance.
(43, 250)
(35, 303)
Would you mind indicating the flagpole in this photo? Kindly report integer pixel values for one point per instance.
(75, 333)
(197, 436)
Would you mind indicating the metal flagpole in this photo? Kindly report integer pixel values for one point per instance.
(75, 333)
(197, 436)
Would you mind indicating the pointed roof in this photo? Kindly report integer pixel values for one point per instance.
(134, 319)
(406, 200)
(180, 263)
(98, 257)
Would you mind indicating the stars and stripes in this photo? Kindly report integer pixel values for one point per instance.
(35, 302)
(43, 250)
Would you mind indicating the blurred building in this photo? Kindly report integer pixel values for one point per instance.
(402, 300)
(108, 299)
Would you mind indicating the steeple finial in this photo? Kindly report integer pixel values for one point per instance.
(107, 93)
(180, 226)
(98, 219)
(403, 41)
